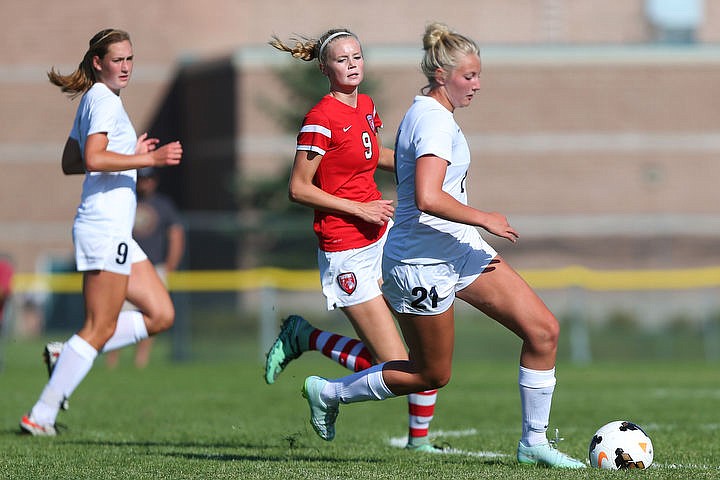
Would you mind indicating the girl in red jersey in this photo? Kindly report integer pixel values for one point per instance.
(335, 161)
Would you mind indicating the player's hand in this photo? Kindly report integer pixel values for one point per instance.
(168, 155)
(377, 212)
(145, 144)
(498, 224)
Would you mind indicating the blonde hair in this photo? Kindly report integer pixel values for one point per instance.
(83, 77)
(443, 49)
(309, 49)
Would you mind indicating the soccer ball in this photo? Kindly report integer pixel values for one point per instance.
(620, 445)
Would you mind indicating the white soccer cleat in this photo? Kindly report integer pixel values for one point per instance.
(28, 425)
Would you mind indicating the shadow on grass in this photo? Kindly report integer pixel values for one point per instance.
(330, 459)
(296, 452)
(293, 449)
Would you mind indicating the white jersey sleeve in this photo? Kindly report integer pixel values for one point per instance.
(102, 111)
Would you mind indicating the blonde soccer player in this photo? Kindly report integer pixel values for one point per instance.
(434, 253)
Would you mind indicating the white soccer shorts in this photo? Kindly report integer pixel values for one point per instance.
(352, 276)
(95, 251)
(420, 289)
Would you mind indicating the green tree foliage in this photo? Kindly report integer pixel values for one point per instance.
(304, 86)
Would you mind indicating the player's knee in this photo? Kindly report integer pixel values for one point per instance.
(436, 379)
(552, 331)
(167, 318)
(162, 319)
(545, 337)
(438, 382)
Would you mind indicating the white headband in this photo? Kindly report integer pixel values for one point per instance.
(330, 38)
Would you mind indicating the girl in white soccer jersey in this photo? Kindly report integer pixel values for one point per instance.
(335, 161)
(435, 253)
(104, 146)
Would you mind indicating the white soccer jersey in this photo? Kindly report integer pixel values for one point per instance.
(429, 128)
(108, 200)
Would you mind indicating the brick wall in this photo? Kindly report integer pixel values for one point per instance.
(576, 116)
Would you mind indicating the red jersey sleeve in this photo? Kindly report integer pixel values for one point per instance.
(315, 134)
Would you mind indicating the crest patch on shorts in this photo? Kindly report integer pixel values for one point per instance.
(347, 282)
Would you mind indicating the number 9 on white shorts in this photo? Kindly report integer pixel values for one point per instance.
(112, 254)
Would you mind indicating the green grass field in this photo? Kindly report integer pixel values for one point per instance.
(218, 419)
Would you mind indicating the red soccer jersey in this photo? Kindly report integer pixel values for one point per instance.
(346, 137)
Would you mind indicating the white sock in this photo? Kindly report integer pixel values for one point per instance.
(130, 329)
(358, 387)
(45, 411)
(73, 364)
(536, 391)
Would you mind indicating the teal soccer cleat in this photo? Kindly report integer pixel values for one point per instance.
(546, 455)
(291, 342)
(425, 448)
(322, 416)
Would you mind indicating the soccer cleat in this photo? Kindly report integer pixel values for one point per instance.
(291, 342)
(50, 356)
(546, 455)
(424, 448)
(322, 416)
(28, 425)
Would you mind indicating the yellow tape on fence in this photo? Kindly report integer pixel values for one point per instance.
(308, 280)
(186, 281)
(230, 280)
(623, 280)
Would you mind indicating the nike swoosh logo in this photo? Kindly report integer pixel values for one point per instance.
(345, 129)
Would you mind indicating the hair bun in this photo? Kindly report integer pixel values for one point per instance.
(434, 32)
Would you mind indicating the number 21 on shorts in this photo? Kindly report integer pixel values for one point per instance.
(424, 297)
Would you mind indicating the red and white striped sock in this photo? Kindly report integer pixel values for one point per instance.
(349, 352)
(421, 408)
